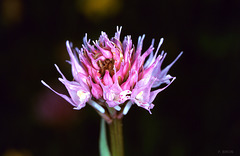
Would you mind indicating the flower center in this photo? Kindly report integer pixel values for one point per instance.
(107, 64)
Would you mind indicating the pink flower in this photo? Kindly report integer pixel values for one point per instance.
(111, 73)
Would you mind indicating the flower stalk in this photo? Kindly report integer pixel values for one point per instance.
(116, 137)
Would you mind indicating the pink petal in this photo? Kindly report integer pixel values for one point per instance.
(106, 53)
(76, 67)
(107, 79)
(96, 89)
(154, 93)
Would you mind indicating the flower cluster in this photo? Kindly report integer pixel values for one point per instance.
(110, 73)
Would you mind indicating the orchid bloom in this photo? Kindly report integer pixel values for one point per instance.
(110, 73)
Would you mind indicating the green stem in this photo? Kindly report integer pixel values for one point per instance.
(116, 136)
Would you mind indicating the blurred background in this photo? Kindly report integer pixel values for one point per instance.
(198, 115)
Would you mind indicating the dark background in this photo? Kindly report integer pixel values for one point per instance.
(198, 115)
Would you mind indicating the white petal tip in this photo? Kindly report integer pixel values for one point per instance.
(96, 106)
(180, 54)
(161, 40)
(76, 108)
(127, 107)
(67, 43)
(102, 110)
(44, 83)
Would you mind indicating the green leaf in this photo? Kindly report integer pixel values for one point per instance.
(103, 146)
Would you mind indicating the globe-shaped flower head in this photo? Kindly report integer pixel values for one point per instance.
(108, 73)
